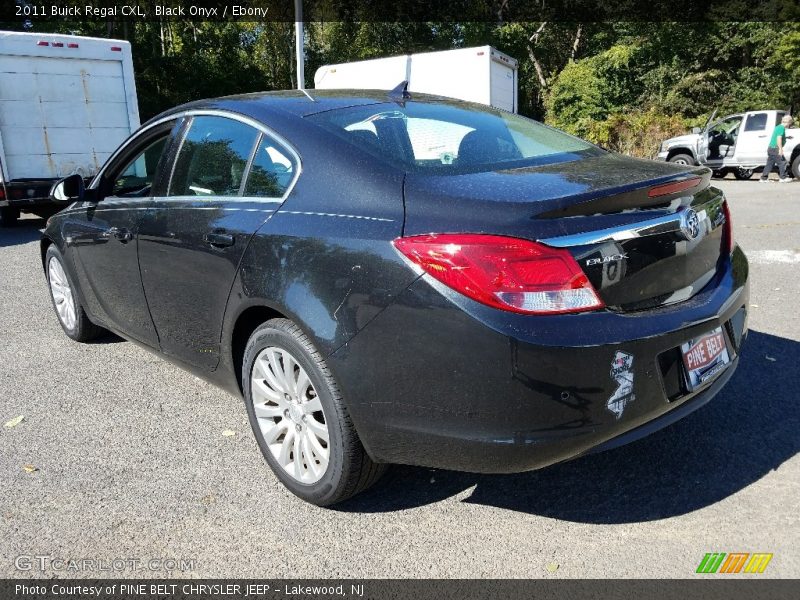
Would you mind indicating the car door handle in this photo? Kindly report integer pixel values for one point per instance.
(117, 233)
(763, 136)
(218, 240)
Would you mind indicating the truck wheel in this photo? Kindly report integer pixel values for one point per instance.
(719, 173)
(8, 216)
(682, 159)
(741, 173)
(796, 167)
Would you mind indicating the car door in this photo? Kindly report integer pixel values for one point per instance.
(228, 177)
(103, 234)
(751, 147)
(720, 141)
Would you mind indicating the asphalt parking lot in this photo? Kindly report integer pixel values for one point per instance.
(131, 461)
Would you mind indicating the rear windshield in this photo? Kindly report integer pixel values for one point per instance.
(451, 138)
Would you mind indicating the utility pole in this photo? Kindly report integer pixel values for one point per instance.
(299, 44)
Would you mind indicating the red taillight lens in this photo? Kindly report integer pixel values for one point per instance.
(506, 273)
(727, 231)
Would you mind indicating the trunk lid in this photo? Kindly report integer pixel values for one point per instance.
(640, 247)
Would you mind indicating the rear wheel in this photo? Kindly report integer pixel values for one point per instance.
(796, 167)
(681, 159)
(299, 419)
(8, 216)
(70, 313)
(741, 173)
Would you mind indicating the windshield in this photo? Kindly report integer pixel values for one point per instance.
(450, 138)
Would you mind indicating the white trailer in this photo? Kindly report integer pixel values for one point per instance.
(66, 103)
(483, 74)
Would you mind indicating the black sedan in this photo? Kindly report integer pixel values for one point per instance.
(394, 279)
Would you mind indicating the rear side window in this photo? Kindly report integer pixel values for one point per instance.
(271, 172)
(453, 137)
(213, 157)
(756, 122)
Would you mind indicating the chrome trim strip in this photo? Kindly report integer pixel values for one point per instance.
(658, 226)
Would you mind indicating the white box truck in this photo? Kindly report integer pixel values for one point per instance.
(66, 103)
(483, 74)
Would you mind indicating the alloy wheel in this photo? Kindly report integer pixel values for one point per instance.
(290, 415)
(62, 293)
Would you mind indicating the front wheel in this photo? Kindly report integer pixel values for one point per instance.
(70, 313)
(681, 159)
(741, 173)
(299, 419)
(796, 167)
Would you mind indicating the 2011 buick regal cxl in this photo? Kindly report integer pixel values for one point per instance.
(395, 279)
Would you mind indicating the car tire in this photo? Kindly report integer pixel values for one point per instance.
(682, 159)
(719, 173)
(70, 313)
(302, 427)
(8, 216)
(743, 174)
(796, 167)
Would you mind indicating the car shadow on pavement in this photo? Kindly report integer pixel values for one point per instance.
(22, 232)
(748, 430)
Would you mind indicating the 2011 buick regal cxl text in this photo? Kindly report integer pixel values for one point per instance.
(394, 279)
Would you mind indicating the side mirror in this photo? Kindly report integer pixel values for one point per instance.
(69, 189)
(696, 130)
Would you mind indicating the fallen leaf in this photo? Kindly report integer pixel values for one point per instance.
(552, 567)
(228, 433)
(15, 421)
(768, 357)
(30, 468)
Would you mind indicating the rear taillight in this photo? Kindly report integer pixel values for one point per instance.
(506, 273)
(727, 231)
(2, 194)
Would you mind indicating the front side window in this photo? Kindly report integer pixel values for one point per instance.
(451, 137)
(729, 126)
(271, 172)
(212, 158)
(136, 178)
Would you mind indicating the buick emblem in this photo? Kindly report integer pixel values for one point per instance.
(690, 224)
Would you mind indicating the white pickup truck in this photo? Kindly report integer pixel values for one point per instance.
(736, 143)
(66, 103)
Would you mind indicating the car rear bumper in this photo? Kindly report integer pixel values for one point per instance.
(454, 384)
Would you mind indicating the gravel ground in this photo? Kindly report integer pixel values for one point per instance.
(132, 461)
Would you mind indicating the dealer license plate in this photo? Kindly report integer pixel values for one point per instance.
(705, 357)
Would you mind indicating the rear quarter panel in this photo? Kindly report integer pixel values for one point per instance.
(325, 258)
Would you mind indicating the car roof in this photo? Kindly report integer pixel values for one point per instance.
(301, 103)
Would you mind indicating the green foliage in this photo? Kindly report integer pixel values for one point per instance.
(636, 133)
(588, 90)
